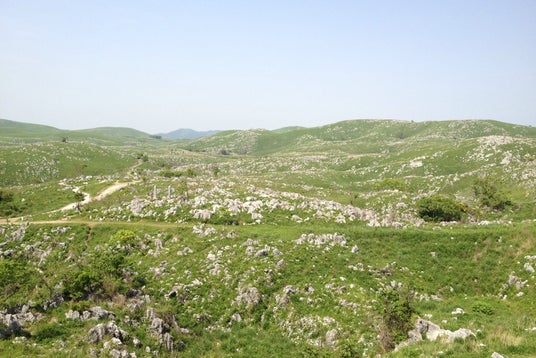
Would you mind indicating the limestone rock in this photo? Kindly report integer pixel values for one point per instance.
(97, 333)
(331, 337)
(248, 295)
(434, 332)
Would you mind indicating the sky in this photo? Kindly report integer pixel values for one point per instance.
(157, 66)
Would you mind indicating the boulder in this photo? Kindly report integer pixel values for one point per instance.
(331, 337)
(433, 332)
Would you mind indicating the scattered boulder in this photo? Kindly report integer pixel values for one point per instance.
(94, 313)
(15, 319)
(457, 311)
(528, 267)
(433, 332)
(331, 337)
(262, 252)
(97, 333)
(159, 329)
(54, 302)
(248, 295)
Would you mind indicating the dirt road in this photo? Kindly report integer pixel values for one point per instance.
(88, 198)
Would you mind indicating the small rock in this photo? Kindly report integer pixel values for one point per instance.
(262, 253)
(72, 315)
(528, 267)
(458, 311)
(331, 337)
(167, 339)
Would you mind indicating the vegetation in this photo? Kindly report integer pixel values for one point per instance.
(7, 205)
(439, 208)
(397, 316)
(489, 194)
(325, 241)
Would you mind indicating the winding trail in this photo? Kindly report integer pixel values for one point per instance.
(88, 198)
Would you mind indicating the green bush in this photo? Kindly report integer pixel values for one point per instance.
(171, 174)
(17, 281)
(390, 184)
(82, 283)
(8, 207)
(50, 331)
(438, 208)
(124, 238)
(397, 316)
(483, 308)
(486, 189)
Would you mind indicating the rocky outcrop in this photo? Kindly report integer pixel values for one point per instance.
(15, 319)
(160, 329)
(428, 330)
(98, 332)
(95, 313)
(248, 295)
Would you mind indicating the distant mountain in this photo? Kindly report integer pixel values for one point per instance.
(185, 133)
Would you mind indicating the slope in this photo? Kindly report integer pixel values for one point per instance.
(12, 133)
(354, 136)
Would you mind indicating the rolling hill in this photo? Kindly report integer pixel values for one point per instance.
(356, 239)
(12, 132)
(348, 135)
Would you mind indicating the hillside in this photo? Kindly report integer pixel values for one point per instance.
(17, 132)
(44, 162)
(348, 135)
(331, 241)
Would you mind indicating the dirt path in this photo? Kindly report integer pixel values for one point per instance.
(88, 198)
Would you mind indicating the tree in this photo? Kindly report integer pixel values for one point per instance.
(490, 195)
(79, 197)
(397, 316)
(8, 206)
(438, 208)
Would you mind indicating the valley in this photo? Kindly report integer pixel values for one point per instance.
(326, 241)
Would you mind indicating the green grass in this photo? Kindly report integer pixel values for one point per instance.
(201, 272)
(30, 164)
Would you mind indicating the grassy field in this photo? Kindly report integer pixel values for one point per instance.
(298, 242)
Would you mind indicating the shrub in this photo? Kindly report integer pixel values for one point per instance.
(124, 238)
(397, 316)
(17, 280)
(8, 207)
(171, 174)
(489, 194)
(483, 308)
(438, 208)
(50, 331)
(390, 184)
(82, 283)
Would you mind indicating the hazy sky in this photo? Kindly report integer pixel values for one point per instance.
(162, 65)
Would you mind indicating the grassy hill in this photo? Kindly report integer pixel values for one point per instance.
(351, 135)
(17, 133)
(43, 162)
(296, 242)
